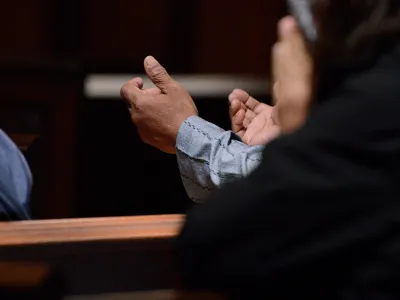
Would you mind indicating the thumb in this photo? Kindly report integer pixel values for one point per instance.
(289, 31)
(157, 74)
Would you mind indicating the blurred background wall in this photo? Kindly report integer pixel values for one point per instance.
(86, 156)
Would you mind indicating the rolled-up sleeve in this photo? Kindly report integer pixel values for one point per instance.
(208, 157)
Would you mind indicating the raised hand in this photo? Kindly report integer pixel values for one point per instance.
(252, 120)
(158, 112)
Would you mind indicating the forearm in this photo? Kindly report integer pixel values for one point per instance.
(208, 157)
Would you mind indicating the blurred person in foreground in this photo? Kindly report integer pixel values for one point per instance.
(319, 217)
(15, 181)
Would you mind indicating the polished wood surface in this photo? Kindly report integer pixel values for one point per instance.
(99, 255)
(95, 258)
(89, 230)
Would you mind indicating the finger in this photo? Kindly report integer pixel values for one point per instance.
(157, 74)
(289, 39)
(256, 127)
(253, 104)
(234, 107)
(238, 95)
(249, 116)
(237, 122)
(289, 31)
(137, 81)
(237, 116)
(287, 26)
(247, 101)
(130, 91)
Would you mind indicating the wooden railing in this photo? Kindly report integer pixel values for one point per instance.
(116, 254)
(143, 229)
(94, 256)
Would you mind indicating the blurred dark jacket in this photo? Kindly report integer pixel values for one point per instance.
(320, 217)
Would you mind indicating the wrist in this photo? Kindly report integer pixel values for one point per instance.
(180, 126)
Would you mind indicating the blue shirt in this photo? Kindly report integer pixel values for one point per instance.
(208, 157)
(15, 181)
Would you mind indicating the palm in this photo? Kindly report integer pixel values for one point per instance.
(251, 119)
(261, 129)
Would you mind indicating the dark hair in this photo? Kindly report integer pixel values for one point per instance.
(354, 31)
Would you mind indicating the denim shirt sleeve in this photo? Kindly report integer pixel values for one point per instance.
(15, 181)
(208, 157)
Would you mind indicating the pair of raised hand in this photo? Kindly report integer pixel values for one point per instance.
(159, 112)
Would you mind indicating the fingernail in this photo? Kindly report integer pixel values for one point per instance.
(151, 61)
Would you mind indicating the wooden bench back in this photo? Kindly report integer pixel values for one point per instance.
(116, 254)
(94, 256)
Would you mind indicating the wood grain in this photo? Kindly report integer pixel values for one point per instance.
(90, 229)
(98, 255)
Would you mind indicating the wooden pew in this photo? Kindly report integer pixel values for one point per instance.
(97, 255)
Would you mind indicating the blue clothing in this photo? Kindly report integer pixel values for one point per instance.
(209, 157)
(15, 181)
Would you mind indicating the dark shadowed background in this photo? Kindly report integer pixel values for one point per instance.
(86, 156)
